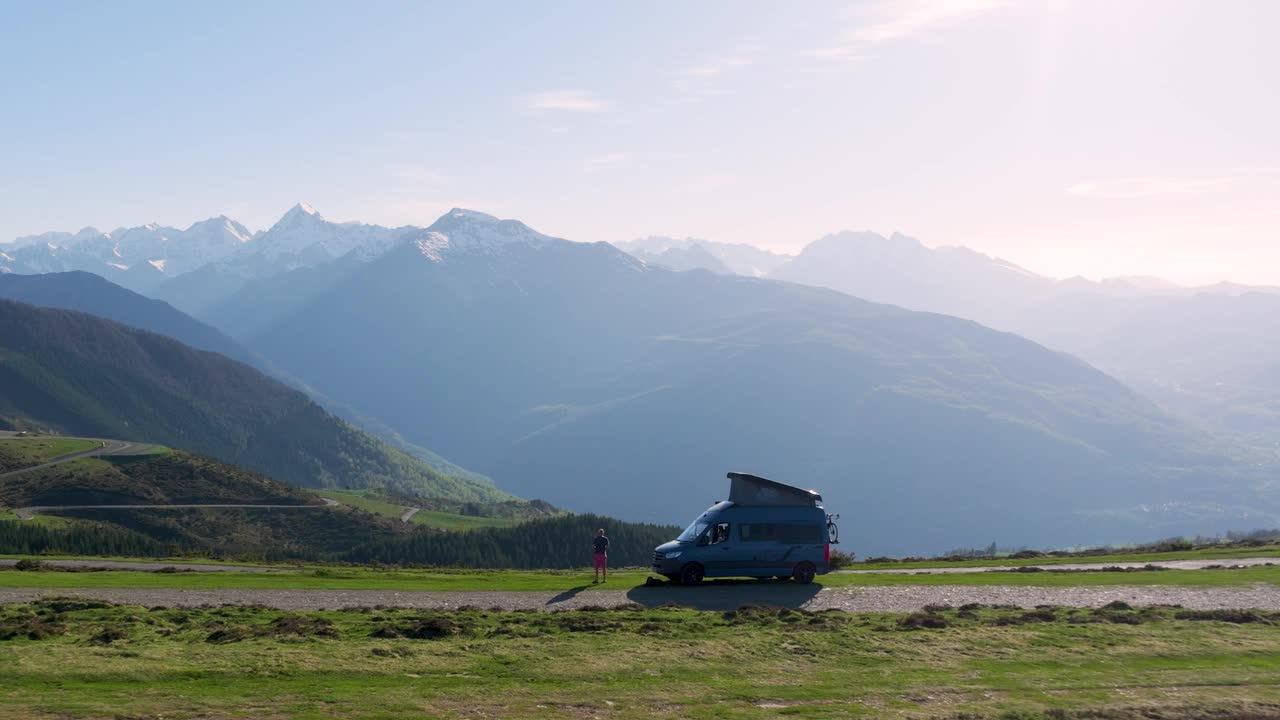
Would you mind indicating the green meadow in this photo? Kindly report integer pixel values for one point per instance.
(83, 659)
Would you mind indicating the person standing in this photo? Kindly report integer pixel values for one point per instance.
(600, 554)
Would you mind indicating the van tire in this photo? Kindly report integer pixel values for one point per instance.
(692, 574)
(804, 573)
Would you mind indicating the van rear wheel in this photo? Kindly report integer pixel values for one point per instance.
(692, 574)
(804, 573)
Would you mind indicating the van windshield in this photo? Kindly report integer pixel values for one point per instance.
(692, 532)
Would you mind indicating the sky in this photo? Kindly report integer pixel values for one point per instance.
(1081, 137)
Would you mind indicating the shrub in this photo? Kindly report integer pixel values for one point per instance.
(922, 620)
(31, 628)
(1238, 617)
(431, 628)
(69, 604)
(840, 560)
(228, 634)
(301, 626)
(109, 635)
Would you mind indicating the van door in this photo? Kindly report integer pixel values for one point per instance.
(724, 553)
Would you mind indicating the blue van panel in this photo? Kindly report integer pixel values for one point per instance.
(767, 551)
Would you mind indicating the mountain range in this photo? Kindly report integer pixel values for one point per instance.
(692, 253)
(139, 258)
(1199, 352)
(578, 373)
(607, 381)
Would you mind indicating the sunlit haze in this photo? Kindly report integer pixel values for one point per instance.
(1096, 138)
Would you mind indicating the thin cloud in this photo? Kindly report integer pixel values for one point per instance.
(899, 19)
(710, 69)
(839, 52)
(567, 101)
(1152, 186)
(422, 176)
(612, 158)
(905, 18)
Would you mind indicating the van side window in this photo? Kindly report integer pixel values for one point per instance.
(790, 534)
(720, 533)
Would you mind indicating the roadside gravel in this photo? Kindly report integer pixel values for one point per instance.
(708, 597)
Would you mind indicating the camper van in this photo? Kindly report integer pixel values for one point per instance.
(765, 529)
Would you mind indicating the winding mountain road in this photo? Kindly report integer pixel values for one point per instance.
(27, 513)
(105, 447)
(124, 447)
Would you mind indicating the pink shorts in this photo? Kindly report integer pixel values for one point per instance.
(600, 559)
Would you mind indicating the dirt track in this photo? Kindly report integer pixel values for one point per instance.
(708, 597)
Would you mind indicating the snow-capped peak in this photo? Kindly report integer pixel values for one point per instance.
(468, 229)
(299, 215)
(305, 209)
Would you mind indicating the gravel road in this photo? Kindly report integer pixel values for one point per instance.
(212, 567)
(707, 597)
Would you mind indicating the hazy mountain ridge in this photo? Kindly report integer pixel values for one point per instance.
(693, 253)
(89, 293)
(81, 374)
(573, 372)
(1185, 347)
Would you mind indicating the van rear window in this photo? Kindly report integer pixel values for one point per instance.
(793, 534)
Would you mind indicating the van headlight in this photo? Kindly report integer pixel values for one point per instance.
(672, 555)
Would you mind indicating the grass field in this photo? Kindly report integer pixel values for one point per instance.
(76, 659)
(367, 501)
(361, 578)
(1207, 553)
(17, 453)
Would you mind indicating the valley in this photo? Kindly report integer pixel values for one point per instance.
(875, 359)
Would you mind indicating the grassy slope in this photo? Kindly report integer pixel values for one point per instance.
(118, 661)
(155, 478)
(358, 578)
(174, 477)
(17, 453)
(369, 502)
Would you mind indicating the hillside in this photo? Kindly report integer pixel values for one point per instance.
(361, 528)
(90, 293)
(573, 372)
(1210, 357)
(305, 528)
(83, 375)
(95, 295)
(160, 478)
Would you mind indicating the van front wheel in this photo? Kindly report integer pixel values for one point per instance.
(804, 573)
(692, 574)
